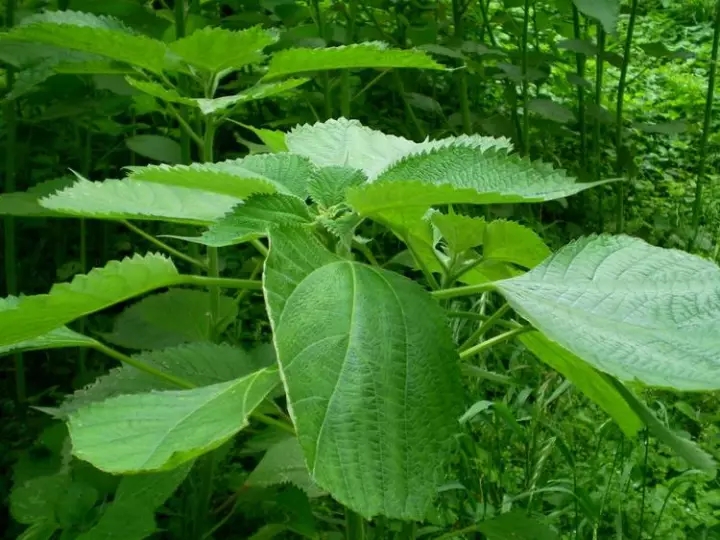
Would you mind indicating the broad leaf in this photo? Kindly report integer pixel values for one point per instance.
(274, 140)
(350, 346)
(117, 281)
(632, 310)
(146, 324)
(360, 55)
(328, 185)
(201, 364)
(594, 385)
(103, 36)
(130, 199)
(161, 430)
(155, 147)
(26, 203)
(217, 49)
(460, 232)
(511, 242)
(606, 12)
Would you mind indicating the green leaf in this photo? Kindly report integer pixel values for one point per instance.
(274, 140)
(161, 430)
(511, 242)
(357, 56)
(581, 46)
(26, 203)
(217, 49)
(253, 219)
(131, 199)
(201, 364)
(328, 185)
(159, 91)
(632, 310)
(551, 110)
(347, 143)
(284, 463)
(516, 525)
(460, 232)
(155, 147)
(595, 386)
(659, 49)
(83, 32)
(117, 281)
(604, 11)
(36, 499)
(350, 345)
(254, 93)
(146, 325)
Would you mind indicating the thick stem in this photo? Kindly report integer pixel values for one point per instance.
(354, 526)
(697, 204)
(345, 93)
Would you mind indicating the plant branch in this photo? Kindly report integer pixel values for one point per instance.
(162, 245)
(467, 290)
(485, 326)
(493, 341)
(225, 283)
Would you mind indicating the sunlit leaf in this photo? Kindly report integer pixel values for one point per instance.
(460, 232)
(511, 242)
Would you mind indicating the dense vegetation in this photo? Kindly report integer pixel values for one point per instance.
(341, 269)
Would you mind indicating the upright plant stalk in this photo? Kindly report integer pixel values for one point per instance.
(580, 71)
(11, 261)
(525, 82)
(183, 84)
(596, 131)
(620, 186)
(459, 8)
(354, 526)
(85, 171)
(345, 94)
(697, 204)
(320, 22)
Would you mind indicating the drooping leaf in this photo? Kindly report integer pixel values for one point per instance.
(284, 463)
(630, 309)
(218, 49)
(361, 353)
(130, 199)
(159, 431)
(155, 147)
(84, 32)
(253, 93)
(201, 364)
(117, 281)
(460, 232)
(511, 242)
(582, 46)
(551, 110)
(586, 379)
(357, 56)
(253, 219)
(274, 140)
(606, 12)
(329, 184)
(159, 91)
(146, 324)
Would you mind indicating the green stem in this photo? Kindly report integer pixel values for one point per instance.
(182, 114)
(596, 131)
(354, 526)
(409, 112)
(162, 245)
(493, 341)
(620, 186)
(212, 252)
(257, 244)
(461, 76)
(346, 93)
(485, 326)
(697, 204)
(270, 421)
(142, 366)
(580, 71)
(186, 131)
(467, 290)
(85, 171)
(225, 283)
(525, 82)
(11, 261)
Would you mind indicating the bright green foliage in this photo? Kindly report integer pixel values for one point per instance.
(130, 516)
(606, 12)
(284, 463)
(253, 93)
(630, 309)
(159, 91)
(274, 140)
(146, 324)
(287, 172)
(34, 316)
(586, 379)
(216, 49)
(350, 348)
(460, 232)
(201, 364)
(161, 430)
(361, 55)
(35, 500)
(25, 203)
(328, 185)
(130, 199)
(509, 241)
(84, 32)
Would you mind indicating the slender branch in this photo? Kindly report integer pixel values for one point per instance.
(270, 421)
(467, 290)
(188, 128)
(162, 245)
(260, 247)
(225, 283)
(493, 341)
(485, 326)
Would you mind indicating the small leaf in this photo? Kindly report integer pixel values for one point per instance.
(161, 430)
(156, 147)
(254, 93)
(632, 310)
(159, 91)
(217, 49)
(372, 54)
(274, 140)
(35, 501)
(551, 110)
(667, 128)
(575, 79)
(658, 49)
(329, 184)
(581, 46)
(474, 410)
(460, 232)
(604, 11)
(102, 287)
(511, 242)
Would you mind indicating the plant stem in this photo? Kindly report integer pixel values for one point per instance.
(459, 10)
(142, 366)
(162, 245)
(11, 262)
(182, 115)
(467, 290)
(620, 186)
(226, 283)
(580, 71)
(212, 252)
(485, 326)
(85, 167)
(596, 131)
(697, 204)
(257, 244)
(270, 421)
(525, 82)
(409, 112)
(345, 92)
(354, 526)
(493, 341)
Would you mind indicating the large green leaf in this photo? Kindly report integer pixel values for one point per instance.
(130, 199)
(84, 32)
(35, 316)
(586, 379)
(606, 12)
(161, 430)
(146, 325)
(372, 380)
(217, 49)
(630, 309)
(201, 364)
(360, 55)
(511, 242)
(460, 232)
